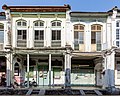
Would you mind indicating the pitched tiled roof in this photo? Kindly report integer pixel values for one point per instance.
(37, 8)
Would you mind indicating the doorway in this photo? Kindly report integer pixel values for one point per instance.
(43, 75)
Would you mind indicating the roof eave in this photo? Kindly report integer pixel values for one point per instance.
(36, 8)
(76, 14)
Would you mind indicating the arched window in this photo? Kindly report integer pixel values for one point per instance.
(21, 32)
(56, 33)
(78, 35)
(16, 69)
(38, 33)
(56, 23)
(96, 30)
(21, 23)
(39, 23)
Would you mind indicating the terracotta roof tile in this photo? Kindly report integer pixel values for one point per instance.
(37, 8)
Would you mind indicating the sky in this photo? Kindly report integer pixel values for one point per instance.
(76, 5)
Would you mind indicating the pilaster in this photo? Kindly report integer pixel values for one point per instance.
(109, 78)
(67, 68)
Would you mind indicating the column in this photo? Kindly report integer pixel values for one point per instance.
(8, 28)
(50, 70)
(87, 42)
(12, 69)
(68, 28)
(112, 68)
(67, 70)
(28, 70)
(8, 70)
(109, 78)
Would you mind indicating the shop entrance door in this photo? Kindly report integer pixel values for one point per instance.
(43, 76)
(57, 76)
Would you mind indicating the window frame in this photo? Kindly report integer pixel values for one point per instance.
(57, 34)
(22, 35)
(96, 38)
(22, 22)
(39, 36)
(94, 30)
(57, 29)
(56, 24)
(39, 28)
(78, 30)
(41, 24)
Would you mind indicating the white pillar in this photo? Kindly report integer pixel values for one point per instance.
(112, 68)
(109, 78)
(67, 70)
(8, 69)
(28, 70)
(87, 38)
(8, 37)
(12, 69)
(68, 34)
(50, 70)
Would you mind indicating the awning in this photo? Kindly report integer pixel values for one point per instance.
(86, 55)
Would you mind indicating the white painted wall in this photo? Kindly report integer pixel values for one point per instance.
(30, 32)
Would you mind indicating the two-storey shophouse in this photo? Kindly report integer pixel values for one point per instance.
(37, 44)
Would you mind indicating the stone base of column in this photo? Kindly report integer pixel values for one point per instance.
(67, 79)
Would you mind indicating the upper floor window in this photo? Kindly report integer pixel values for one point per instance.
(79, 27)
(1, 33)
(96, 33)
(38, 30)
(56, 35)
(79, 33)
(21, 31)
(118, 33)
(56, 32)
(21, 34)
(21, 23)
(39, 23)
(56, 24)
(96, 30)
(117, 24)
(39, 34)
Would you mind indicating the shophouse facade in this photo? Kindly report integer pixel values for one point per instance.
(58, 47)
(38, 44)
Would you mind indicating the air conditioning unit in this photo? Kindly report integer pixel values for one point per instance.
(1, 46)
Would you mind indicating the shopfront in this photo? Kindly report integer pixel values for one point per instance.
(82, 72)
(57, 72)
(43, 73)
